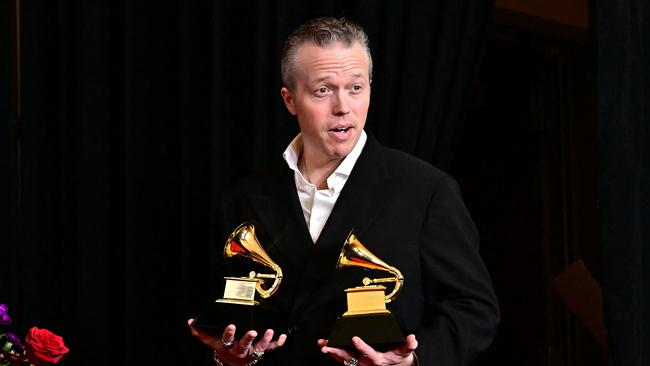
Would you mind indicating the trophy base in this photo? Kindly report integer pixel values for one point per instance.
(245, 316)
(380, 331)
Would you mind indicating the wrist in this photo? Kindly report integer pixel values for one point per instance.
(217, 360)
(412, 361)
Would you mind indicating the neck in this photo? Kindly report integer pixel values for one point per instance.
(317, 174)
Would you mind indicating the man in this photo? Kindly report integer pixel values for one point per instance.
(336, 178)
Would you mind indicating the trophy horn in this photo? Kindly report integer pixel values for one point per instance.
(243, 242)
(354, 254)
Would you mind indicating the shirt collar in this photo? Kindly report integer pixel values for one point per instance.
(345, 168)
(292, 154)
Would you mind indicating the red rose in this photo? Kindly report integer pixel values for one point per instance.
(44, 347)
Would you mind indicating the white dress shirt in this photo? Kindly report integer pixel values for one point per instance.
(317, 204)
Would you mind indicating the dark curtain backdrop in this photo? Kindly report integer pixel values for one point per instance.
(624, 139)
(136, 114)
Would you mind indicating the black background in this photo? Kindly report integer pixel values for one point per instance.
(126, 119)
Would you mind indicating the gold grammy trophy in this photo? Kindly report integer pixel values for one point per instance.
(238, 305)
(367, 316)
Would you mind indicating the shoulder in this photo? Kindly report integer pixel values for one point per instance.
(258, 182)
(235, 202)
(407, 168)
(262, 179)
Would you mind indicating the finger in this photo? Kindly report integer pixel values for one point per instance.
(229, 333)
(263, 343)
(198, 332)
(206, 338)
(246, 342)
(366, 351)
(409, 346)
(339, 354)
(277, 344)
(322, 342)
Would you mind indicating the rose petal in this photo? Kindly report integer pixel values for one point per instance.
(44, 345)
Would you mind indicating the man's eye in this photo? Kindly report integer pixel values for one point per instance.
(356, 88)
(323, 90)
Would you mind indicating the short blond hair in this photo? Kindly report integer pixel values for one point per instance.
(322, 32)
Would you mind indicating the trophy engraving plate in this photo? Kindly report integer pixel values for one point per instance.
(366, 300)
(240, 291)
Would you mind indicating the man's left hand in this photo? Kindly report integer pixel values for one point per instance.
(367, 356)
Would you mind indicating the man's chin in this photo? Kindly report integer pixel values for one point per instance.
(343, 148)
(341, 153)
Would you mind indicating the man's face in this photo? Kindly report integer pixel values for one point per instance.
(330, 98)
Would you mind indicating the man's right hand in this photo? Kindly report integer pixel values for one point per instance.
(238, 352)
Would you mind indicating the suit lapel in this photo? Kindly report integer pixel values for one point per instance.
(279, 210)
(362, 198)
(360, 203)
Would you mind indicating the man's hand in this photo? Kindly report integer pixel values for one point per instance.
(238, 352)
(367, 356)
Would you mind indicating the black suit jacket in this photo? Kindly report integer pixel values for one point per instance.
(407, 213)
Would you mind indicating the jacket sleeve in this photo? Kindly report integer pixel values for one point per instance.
(462, 310)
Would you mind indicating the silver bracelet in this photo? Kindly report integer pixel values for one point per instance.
(218, 362)
(216, 359)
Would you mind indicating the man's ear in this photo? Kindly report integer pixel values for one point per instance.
(288, 100)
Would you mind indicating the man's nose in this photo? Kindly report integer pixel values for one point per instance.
(341, 104)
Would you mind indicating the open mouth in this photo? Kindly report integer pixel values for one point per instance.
(341, 133)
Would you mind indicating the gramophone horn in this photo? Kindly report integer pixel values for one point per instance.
(354, 254)
(243, 242)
